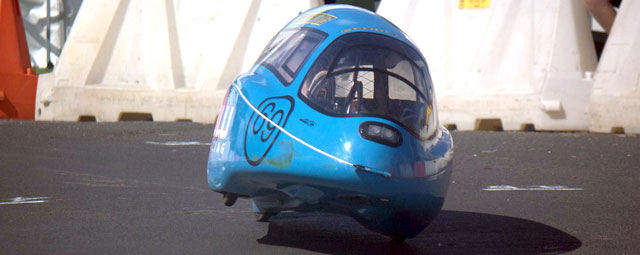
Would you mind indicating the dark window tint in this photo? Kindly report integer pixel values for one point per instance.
(289, 50)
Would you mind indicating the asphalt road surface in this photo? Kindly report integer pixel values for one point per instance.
(140, 188)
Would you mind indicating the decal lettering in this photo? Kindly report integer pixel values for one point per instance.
(353, 29)
(309, 122)
(315, 18)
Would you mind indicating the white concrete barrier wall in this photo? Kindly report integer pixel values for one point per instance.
(518, 62)
(615, 101)
(171, 59)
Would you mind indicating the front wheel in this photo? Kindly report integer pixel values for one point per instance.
(229, 199)
(263, 217)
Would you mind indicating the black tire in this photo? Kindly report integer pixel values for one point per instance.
(229, 199)
(263, 217)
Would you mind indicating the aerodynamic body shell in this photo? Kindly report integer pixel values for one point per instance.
(337, 115)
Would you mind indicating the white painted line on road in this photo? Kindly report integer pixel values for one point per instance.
(25, 200)
(534, 187)
(178, 143)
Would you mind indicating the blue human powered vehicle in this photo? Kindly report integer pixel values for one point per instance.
(337, 115)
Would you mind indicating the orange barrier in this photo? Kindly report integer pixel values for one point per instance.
(17, 80)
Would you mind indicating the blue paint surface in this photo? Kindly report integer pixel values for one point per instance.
(396, 191)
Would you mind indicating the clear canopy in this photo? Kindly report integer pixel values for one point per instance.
(289, 50)
(367, 74)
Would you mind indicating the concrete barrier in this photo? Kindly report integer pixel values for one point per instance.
(512, 64)
(615, 101)
(163, 60)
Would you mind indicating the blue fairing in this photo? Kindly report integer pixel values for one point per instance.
(276, 142)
